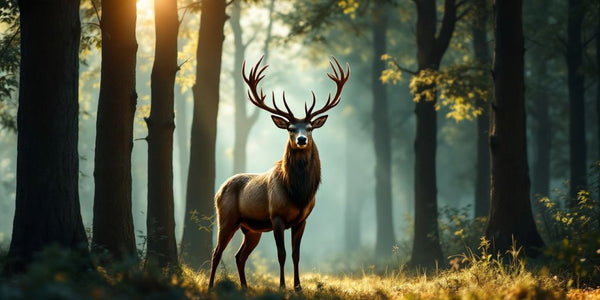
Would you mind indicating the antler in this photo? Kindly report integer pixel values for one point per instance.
(339, 79)
(255, 76)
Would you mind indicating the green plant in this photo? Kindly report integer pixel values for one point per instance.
(573, 236)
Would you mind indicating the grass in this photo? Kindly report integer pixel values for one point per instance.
(472, 277)
(469, 283)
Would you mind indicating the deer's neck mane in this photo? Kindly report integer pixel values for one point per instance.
(301, 174)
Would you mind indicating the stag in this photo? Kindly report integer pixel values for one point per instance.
(284, 196)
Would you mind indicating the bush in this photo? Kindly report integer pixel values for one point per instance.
(573, 234)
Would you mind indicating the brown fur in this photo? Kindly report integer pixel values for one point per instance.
(284, 196)
(253, 202)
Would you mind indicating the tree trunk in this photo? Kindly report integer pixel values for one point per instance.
(430, 50)
(199, 216)
(113, 230)
(354, 186)
(182, 132)
(160, 222)
(542, 130)
(243, 123)
(47, 208)
(385, 239)
(542, 127)
(482, 56)
(598, 91)
(510, 216)
(269, 37)
(577, 143)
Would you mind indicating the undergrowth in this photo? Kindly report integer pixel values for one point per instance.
(475, 275)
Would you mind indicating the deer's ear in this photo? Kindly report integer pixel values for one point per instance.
(318, 122)
(280, 122)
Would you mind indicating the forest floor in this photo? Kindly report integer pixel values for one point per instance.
(56, 276)
(461, 284)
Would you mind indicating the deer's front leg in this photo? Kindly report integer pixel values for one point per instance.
(297, 232)
(278, 227)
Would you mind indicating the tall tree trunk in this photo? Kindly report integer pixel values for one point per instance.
(182, 135)
(385, 239)
(482, 56)
(113, 230)
(542, 127)
(269, 37)
(354, 183)
(199, 216)
(243, 123)
(542, 130)
(47, 210)
(160, 222)
(510, 216)
(598, 90)
(430, 50)
(577, 143)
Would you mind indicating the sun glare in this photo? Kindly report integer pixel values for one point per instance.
(145, 7)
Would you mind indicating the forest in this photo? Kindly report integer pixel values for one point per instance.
(146, 146)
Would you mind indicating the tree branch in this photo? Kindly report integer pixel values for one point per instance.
(403, 69)
(443, 39)
(589, 40)
(96, 11)
(9, 42)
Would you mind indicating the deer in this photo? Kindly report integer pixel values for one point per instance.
(283, 197)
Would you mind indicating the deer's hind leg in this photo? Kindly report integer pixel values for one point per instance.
(251, 239)
(226, 231)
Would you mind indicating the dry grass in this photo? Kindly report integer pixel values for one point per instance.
(476, 282)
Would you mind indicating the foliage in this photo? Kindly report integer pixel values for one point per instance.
(58, 274)
(573, 236)
(9, 63)
(458, 231)
(481, 276)
(459, 86)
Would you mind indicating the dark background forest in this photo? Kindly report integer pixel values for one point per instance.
(468, 128)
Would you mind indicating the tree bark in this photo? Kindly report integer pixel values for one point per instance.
(182, 135)
(197, 238)
(430, 50)
(482, 56)
(160, 222)
(354, 189)
(577, 143)
(47, 210)
(542, 130)
(510, 216)
(113, 230)
(385, 238)
(598, 91)
(243, 122)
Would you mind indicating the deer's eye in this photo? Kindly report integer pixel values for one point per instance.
(291, 129)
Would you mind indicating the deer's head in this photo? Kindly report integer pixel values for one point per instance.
(300, 130)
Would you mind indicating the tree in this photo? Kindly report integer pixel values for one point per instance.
(47, 197)
(482, 56)
(162, 246)
(510, 215)
(197, 238)
(542, 129)
(113, 232)
(430, 50)
(381, 133)
(598, 83)
(575, 77)
(243, 122)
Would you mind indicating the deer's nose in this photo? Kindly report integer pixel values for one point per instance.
(301, 140)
